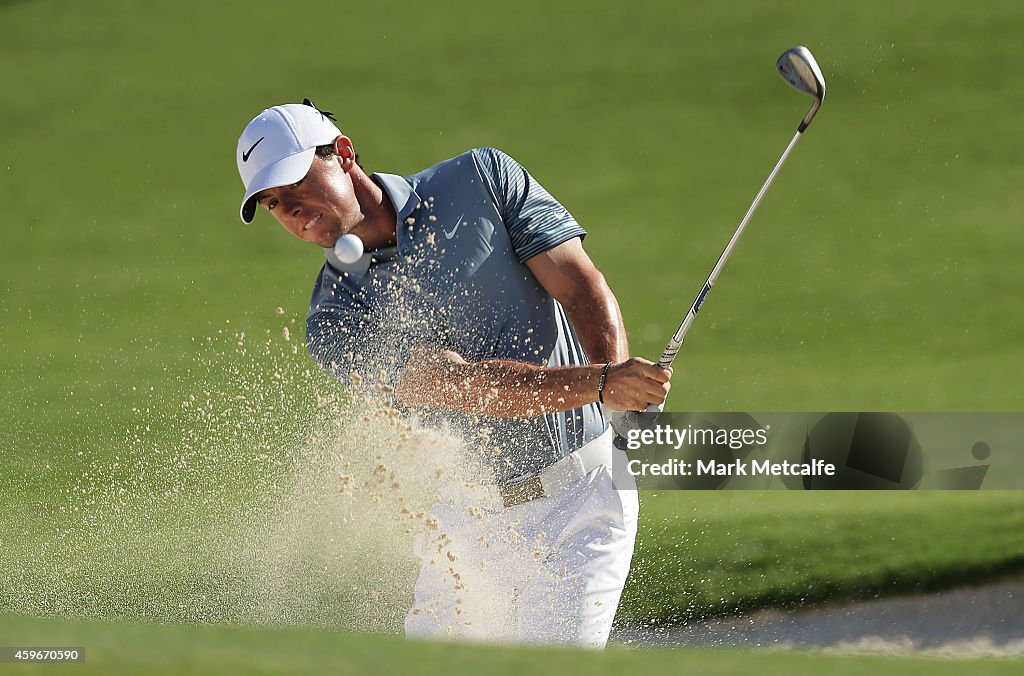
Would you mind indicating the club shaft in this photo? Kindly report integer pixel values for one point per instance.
(676, 342)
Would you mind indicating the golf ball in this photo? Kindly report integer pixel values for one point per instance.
(348, 248)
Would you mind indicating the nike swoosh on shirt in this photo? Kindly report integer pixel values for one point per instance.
(245, 155)
(449, 235)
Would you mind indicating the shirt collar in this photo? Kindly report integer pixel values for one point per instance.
(402, 196)
(405, 200)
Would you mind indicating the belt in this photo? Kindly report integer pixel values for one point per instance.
(561, 474)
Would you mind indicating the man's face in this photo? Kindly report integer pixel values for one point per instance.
(319, 208)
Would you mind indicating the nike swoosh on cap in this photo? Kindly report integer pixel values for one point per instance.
(245, 155)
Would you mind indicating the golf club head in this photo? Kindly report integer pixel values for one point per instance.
(798, 67)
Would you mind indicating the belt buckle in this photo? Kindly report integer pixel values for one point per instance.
(521, 492)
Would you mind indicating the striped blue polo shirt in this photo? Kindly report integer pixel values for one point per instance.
(457, 280)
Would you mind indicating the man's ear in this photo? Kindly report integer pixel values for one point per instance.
(345, 151)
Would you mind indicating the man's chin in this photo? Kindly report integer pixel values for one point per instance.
(327, 240)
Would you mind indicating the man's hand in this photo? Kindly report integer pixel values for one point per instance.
(624, 411)
(636, 384)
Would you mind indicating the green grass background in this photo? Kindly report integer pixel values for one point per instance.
(881, 273)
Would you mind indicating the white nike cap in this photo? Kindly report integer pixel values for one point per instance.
(277, 148)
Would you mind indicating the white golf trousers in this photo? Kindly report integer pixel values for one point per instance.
(547, 571)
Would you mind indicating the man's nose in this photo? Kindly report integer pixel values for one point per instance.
(293, 208)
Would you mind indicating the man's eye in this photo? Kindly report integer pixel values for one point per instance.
(271, 204)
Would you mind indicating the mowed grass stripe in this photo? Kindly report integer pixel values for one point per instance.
(123, 648)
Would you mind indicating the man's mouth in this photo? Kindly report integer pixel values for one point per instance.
(312, 222)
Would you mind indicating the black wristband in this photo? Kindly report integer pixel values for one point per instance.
(600, 383)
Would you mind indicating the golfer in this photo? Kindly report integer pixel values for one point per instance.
(474, 302)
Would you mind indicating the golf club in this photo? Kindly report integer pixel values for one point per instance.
(797, 67)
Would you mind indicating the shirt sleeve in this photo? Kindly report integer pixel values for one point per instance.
(535, 220)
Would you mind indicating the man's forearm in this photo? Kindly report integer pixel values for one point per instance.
(494, 387)
(511, 389)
